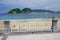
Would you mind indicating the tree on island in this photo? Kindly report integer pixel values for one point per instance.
(17, 10)
(26, 10)
(14, 11)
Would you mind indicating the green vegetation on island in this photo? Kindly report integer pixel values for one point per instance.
(14, 11)
(17, 10)
(26, 10)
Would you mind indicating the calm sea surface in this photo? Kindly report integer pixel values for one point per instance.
(28, 16)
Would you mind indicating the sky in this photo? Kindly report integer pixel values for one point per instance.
(6, 5)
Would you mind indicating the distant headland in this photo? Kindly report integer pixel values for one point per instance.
(28, 10)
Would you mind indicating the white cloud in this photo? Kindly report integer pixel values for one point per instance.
(46, 4)
(25, 2)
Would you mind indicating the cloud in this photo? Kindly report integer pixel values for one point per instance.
(34, 4)
(23, 2)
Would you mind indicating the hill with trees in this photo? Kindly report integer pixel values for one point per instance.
(17, 10)
(14, 11)
(28, 10)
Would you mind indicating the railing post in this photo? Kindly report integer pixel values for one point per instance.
(7, 30)
(54, 25)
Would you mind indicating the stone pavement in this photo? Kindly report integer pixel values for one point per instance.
(47, 36)
(0, 37)
(32, 36)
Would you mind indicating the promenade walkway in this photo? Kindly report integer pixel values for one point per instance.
(34, 36)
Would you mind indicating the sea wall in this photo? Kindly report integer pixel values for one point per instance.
(58, 24)
(1, 26)
(31, 25)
